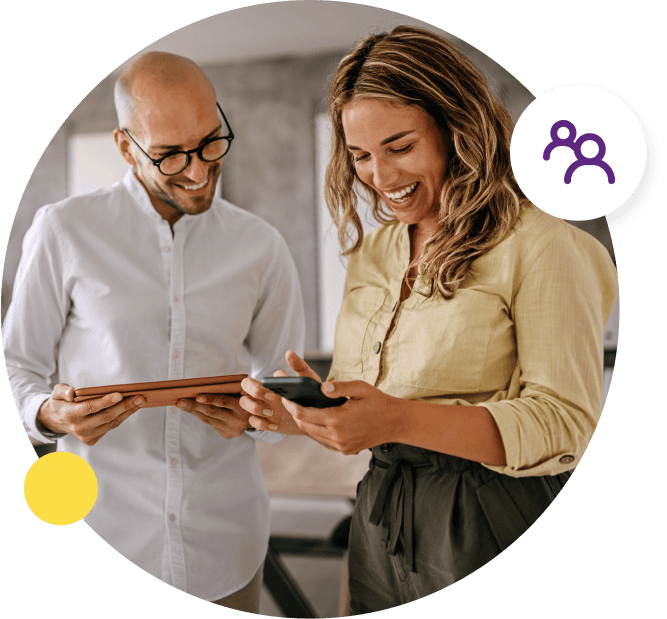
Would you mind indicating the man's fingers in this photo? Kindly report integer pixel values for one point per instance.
(95, 405)
(219, 401)
(63, 392)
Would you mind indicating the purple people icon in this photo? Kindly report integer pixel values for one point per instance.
(575, 145)
(590, 176)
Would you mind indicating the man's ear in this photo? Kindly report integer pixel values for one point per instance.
(123, 145)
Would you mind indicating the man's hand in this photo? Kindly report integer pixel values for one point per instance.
(222, 412)
(89, 420)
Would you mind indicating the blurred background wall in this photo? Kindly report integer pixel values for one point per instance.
(270, 65)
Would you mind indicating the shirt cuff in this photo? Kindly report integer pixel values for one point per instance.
(30, 419)
(512, 433)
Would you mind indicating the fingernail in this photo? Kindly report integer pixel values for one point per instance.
(116, 397)
(273, 427)
(138, 401)
(201, 399)
(269, 395)
(267, 412)
(328, 386)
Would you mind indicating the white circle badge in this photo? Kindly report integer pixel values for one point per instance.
(578, 152)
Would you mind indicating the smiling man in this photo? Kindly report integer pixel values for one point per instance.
(156, 278)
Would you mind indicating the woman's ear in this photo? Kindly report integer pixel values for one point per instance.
(123, 145)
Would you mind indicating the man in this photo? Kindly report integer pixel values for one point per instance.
(152, 279)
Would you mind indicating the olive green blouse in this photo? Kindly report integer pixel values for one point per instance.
(523, 337)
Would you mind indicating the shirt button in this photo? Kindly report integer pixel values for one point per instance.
(172, 517)
(167, 248)
(377, 347)
(566, 460)
(175, 355)
(177, 298)
(174, 461)
(174, 409)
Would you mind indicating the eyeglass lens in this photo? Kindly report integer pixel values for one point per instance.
(212, 151)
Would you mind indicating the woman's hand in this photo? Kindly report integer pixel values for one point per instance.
(265, 407)
(369, 417)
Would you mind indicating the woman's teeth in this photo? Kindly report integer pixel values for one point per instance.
(403, 195)
(195, 187)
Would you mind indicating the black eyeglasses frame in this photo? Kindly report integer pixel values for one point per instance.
(188, 153)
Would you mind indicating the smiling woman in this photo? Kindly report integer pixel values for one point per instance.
(469, 341)
(407, 168)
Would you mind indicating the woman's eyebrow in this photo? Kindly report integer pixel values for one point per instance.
(391, 138)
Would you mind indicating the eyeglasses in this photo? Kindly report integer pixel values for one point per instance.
(176, 162)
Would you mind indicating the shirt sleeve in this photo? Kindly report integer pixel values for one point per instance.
(560, 312)
(278, 323)
(35, 320)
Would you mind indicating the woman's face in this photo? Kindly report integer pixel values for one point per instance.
(399, 152)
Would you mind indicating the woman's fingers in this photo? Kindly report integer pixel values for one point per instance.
(300, 366)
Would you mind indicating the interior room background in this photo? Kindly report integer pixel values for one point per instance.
(276, 104)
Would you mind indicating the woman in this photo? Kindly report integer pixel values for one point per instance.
(469, 342)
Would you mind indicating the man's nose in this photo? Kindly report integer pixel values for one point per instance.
(197, 169)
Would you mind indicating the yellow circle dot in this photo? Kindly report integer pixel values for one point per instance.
(60, 488)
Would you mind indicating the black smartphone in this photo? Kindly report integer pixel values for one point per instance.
(303, 390)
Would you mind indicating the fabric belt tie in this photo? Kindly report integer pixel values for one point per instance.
(397, 472)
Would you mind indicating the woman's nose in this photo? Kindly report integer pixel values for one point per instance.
(384, 174)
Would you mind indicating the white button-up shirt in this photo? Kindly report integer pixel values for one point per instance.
(105, 294)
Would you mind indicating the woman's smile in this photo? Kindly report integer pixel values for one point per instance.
(400, 153)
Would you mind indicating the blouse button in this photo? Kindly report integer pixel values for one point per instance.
(386, 447)
(377, 347)
(566, 460)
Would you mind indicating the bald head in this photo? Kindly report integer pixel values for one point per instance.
(153, 78)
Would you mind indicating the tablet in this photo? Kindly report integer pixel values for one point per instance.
(167, 392)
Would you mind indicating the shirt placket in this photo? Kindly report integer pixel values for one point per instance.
(172, 252)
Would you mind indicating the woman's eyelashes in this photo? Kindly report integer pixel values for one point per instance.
(400, 151)
(394, 151)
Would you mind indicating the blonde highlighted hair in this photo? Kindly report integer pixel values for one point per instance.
(480, 200)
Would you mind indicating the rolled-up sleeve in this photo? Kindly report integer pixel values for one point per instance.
(560, 311)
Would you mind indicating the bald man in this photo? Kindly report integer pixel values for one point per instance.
(156, 278)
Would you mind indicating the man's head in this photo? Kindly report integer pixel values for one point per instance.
(166, 103)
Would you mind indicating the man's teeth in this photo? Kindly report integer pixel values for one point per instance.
(404, 194)
(194, 187)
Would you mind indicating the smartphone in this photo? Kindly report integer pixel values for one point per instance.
(302, 390)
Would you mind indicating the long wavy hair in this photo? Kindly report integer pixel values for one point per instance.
(480, 200)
